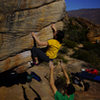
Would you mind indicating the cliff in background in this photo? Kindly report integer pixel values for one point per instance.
(90, 14)
(20, 17)
(93, 30)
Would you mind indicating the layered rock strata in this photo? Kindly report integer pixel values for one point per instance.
(18, 18)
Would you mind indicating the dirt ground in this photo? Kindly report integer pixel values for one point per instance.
(12, 88)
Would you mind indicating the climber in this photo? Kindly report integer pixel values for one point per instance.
(52, 44)
(67, 87)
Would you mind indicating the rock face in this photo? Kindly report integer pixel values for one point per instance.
(31, 17)
(20, 17)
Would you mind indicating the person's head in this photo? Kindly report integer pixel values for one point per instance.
(63, 87)
(69, 89)
(59, 36)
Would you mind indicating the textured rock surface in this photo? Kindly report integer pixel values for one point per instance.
(17, 60)
(17, 19)
(10, 55)
(13, 44)
(15, 5)
(33, 19)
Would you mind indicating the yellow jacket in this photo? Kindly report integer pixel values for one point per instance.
(53, 48)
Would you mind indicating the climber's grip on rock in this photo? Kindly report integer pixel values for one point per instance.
(54, 29)
(40, 43)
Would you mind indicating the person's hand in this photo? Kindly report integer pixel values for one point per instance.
(33, 34)
(53, 25)
(51, 65)
(62, 64)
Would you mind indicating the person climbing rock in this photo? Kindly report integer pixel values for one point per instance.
(68, 88)
(53, 46)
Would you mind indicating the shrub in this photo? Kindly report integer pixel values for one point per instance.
(92, 47)
(81, 54)
(69, 43)
(88, 56)
(88, 45)
(63, 50)
(77, 32)
(60, 56)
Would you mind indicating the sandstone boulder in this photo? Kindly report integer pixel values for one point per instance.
(18, 18)
(32, 19)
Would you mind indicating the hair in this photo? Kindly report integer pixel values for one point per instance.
(59, 36)
(60, 83)
(69, 89)
(63, 87)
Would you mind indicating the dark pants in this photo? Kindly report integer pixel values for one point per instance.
(36, 52)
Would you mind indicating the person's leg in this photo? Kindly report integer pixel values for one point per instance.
(37, 53)
(34, 54)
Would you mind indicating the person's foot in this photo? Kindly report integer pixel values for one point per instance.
(35, 62)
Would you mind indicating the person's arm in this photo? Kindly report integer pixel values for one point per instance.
(41, 43)
(52, 77)
(65, 73)
(54, 29)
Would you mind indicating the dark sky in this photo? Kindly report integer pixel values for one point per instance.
(80, 4)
